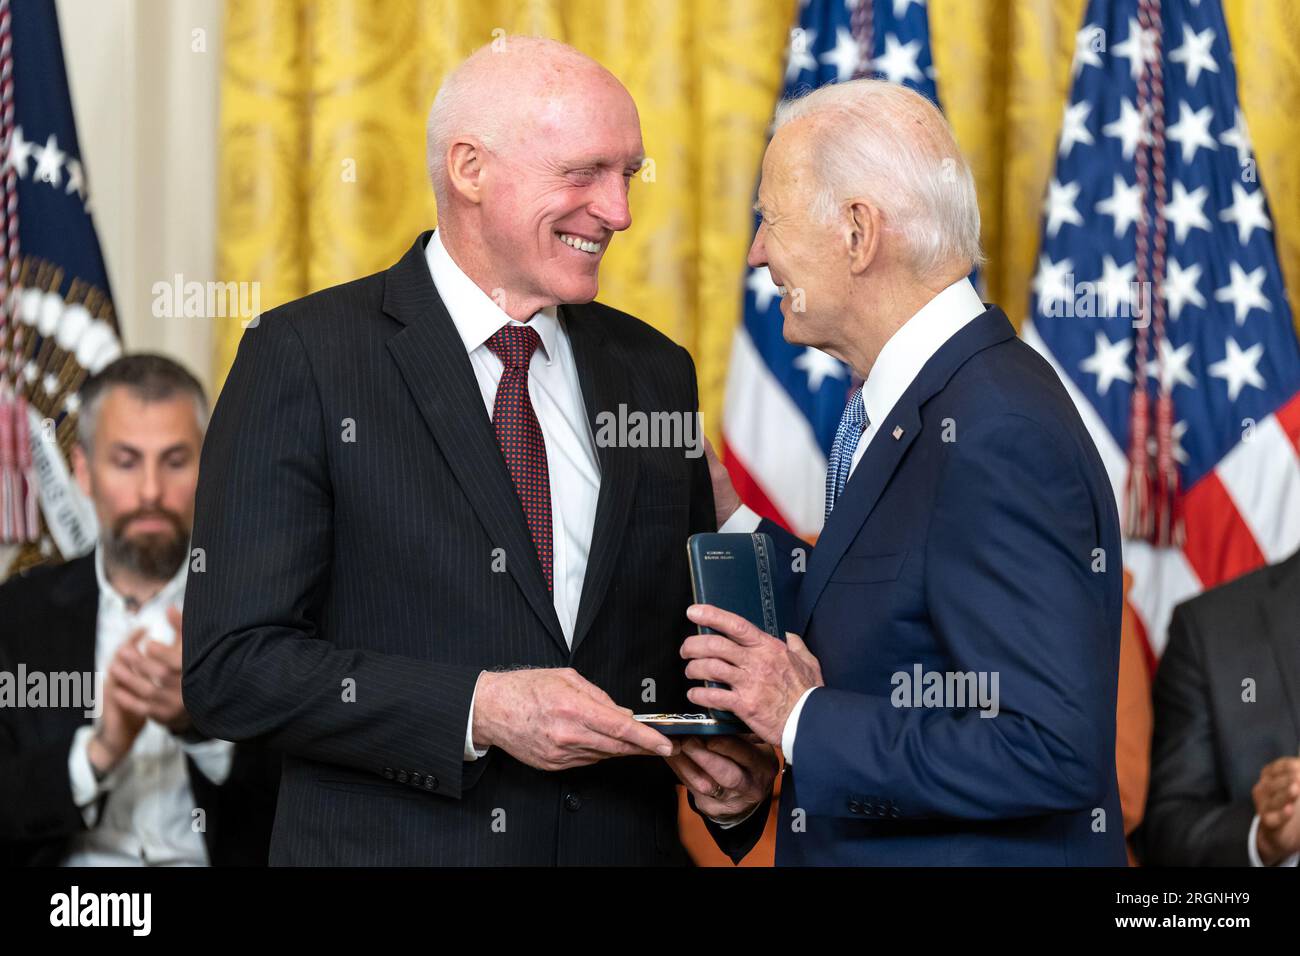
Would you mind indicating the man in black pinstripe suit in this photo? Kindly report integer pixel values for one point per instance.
(426, 581)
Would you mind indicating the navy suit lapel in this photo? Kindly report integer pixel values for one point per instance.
(886, 452)
(431, 358)
(860, 495)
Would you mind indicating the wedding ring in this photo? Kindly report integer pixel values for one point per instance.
(717, 791)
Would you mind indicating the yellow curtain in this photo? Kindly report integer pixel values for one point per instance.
(324, 103)
(322, 158)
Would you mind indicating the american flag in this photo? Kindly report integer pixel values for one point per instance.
(1156, 189)
(783, 402)
(57, 323)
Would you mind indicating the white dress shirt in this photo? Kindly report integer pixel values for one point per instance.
(1253, 851)
(556, 393)
(148, 816)
(897, 366)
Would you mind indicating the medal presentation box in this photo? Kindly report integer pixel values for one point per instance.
(732, 572)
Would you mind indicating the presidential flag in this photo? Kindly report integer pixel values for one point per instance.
(783, 402)
(1159, 300)
(56, 313)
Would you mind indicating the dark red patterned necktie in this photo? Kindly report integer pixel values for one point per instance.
(520, 436)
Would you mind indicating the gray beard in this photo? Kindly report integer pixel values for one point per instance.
(154, 557)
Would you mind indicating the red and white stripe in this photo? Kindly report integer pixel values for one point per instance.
(769, 447)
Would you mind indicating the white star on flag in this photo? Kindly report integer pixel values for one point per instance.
(799, 55)
(1176, 434)
(1124, 203)
(898, 62)
(1060, 206)
(1050, 283)
(1180, 286)
(1109, 362)
(1128, 128)
(1185, 210)
(1238, 137)
(1115, 287)
(818, 366)
(1085, 48)
(845, 55)
(1244, 291)
(760, 283)
(1192, 130)
(1138, 47)
(1075, 128)
(1195, 53)
(49, 162)
(1172, 365)
(1239, 368)
(76, 180)
(1247, 211)
(18, 152)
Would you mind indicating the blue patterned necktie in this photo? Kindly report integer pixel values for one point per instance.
(853, 423)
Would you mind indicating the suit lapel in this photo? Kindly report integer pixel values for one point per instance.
(431, 358)
(1281, 612)
(606, 384)
(75, 598)
(885, 453)
(78, 597)
(854, 506)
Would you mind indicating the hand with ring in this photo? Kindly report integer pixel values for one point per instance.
(728, 776)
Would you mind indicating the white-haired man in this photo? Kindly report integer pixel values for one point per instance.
(426, 582)
(952, 699)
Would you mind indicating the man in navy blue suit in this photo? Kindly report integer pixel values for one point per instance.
(952, 699)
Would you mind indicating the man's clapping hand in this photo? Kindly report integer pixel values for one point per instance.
(1276, 795)
(143, 683)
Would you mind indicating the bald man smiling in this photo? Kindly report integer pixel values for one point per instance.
(427, 582)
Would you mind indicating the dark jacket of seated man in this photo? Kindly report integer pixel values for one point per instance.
(1227, 704)
(174, 799)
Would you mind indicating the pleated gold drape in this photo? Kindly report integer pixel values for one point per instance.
(324, 103)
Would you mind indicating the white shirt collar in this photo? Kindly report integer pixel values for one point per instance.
(915, 343)
(169, 593)
(476, 317)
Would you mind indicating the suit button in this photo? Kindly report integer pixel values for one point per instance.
(403, 776)
(855, 807)
(572, 802)
(416, 778)
(388, 773)
(430, 782)
(893, 812)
